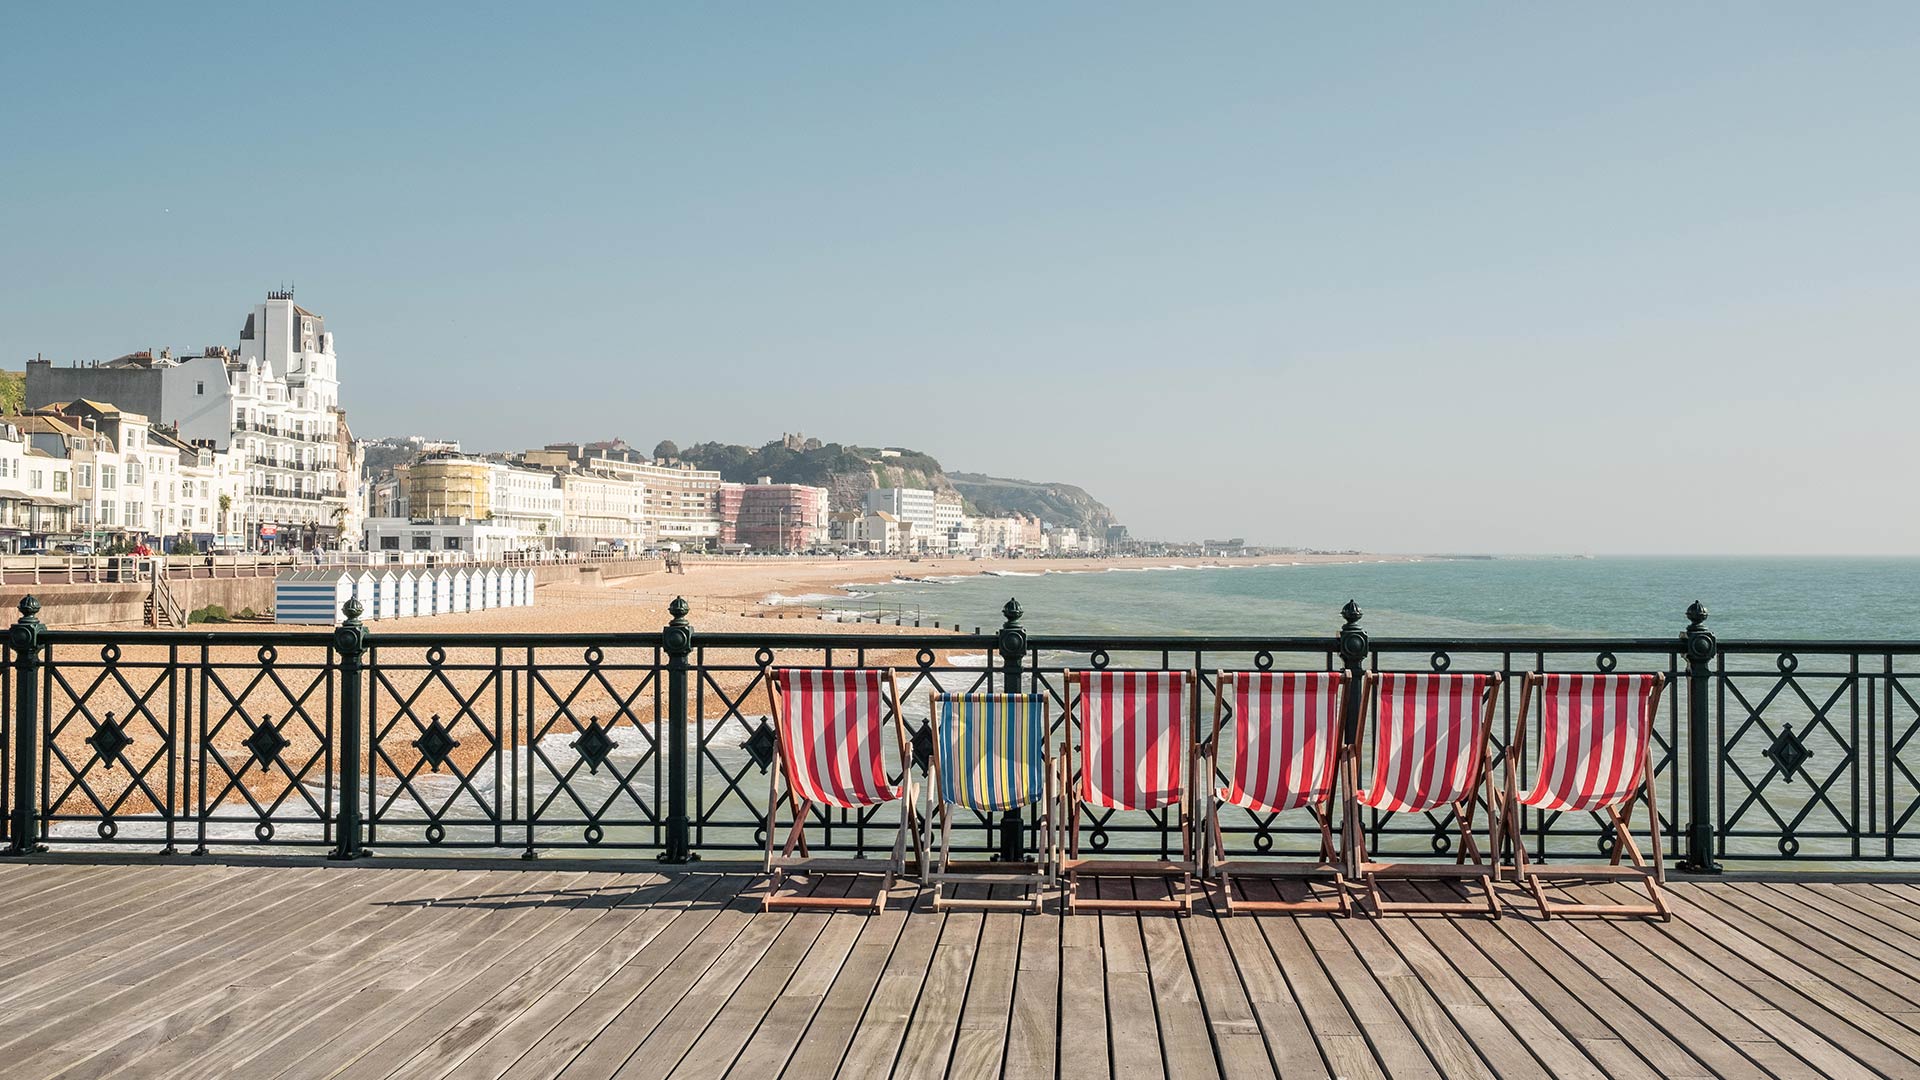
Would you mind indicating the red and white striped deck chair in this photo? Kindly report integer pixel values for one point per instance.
(1596, 734)
(1135, 755)
(1287, 753)
(1429, 756)
(831, 726)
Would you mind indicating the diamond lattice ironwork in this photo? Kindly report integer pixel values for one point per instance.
(436, 744)
(923, 747)
(266, 742)
(1788, 752)
(110, 740)
(594, 745)
(762, 745)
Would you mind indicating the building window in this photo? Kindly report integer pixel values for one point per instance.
(107, 477)
(453, 543)
(389, 543)
(199, 389)
(86, 476)
(423, 543)
(59, 480)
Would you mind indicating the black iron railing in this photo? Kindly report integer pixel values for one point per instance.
(359, 738)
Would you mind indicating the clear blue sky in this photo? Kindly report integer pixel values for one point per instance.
(1437, 277)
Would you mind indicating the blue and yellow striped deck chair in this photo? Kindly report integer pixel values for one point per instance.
(990, 755)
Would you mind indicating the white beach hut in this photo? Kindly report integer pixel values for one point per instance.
(442, 591)
(522, 587)
(423, 590)
(496, 596)
(363, 586)
(476, 589)
(460, 594)
(311, 596)
(404, 593)
(533, 585)
(386, 586)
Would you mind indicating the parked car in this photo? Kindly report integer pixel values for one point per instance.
(77, 547)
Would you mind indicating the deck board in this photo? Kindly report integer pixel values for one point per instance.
(438, 968)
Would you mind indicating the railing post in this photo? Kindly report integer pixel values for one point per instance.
(677, 638)
(1355, 647)
(1701, 648)
(1013, 653)
(24, 637)
(350, 639)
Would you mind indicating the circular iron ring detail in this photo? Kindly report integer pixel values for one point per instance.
(1789, 846)
(268, 654)
(436, 656)
(594, 834)
(263, 832)
(436, 833)
(1440, 661)
(107, 829)
(1442, 843)
(1263, 841)
(110, 653)
(924, 658)
(763, 657)
(1263, 660)
(1099, 659)
(1606, 662)
(593, 656)
(1788, 663)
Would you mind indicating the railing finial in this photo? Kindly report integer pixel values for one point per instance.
(678, 609)
(1351, 613)
(1012, 611)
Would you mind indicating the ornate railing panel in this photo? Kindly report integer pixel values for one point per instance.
(356, 737)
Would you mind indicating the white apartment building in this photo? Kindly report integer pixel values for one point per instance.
(36, 492)
(459, 539)
(682, 502)
(915, 509)
(602, 510)
(530, 501)
(274, 401)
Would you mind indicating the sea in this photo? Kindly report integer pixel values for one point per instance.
(1747, 597)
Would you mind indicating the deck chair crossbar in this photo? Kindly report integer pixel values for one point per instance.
(990, 755)
(1134, 753)
(830, 729)
(1594, 757)
(1287, 755)
(1429, 755)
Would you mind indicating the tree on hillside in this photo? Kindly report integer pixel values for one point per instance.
(13, 392)
(666, 450)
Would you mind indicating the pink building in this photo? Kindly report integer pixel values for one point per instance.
(773, 517)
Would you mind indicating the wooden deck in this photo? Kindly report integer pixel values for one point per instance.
(425, 969)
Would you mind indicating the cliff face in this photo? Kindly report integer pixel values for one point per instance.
(1063, 504)
(849, 472)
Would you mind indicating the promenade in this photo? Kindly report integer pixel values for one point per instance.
(594, 968)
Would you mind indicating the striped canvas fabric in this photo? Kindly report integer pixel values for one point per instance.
(1133, 727)
(991, 756)
(1427, 737)
(1286, 730)
(1593, 740)
(832, 724)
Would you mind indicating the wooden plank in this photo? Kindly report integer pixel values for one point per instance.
(692, 904)
(79, 937)
(1034, 1027)
(1290, 1044)
(979, 1047)
(1885, 944)
(929, 1043)
(717, 1048)
(418, 1000)
(616, 1041)
(1439, 1006)
(1133, 1028)
(1622, 1044)
(839, 969)
(171, 1003)
(1238, 1045)
(1775, 1038)
(1404, 1050)
(883, 1023)
(1869, 1036)
(1083, 1000)
(1335, 1029)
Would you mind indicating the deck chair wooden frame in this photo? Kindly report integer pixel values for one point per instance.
(1478, 788)
(1641, 788)
(1329, 867)
(1034, 875)
(784, 861)
(1179, 874)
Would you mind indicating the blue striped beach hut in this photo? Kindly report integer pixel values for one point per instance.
(461, 592)
(312, 596)
(524, 579)
(442, 591)
(492, 587)
(363, 587)
(386, 588)
(405, 590)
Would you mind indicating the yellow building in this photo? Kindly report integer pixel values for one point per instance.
(448, 487)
